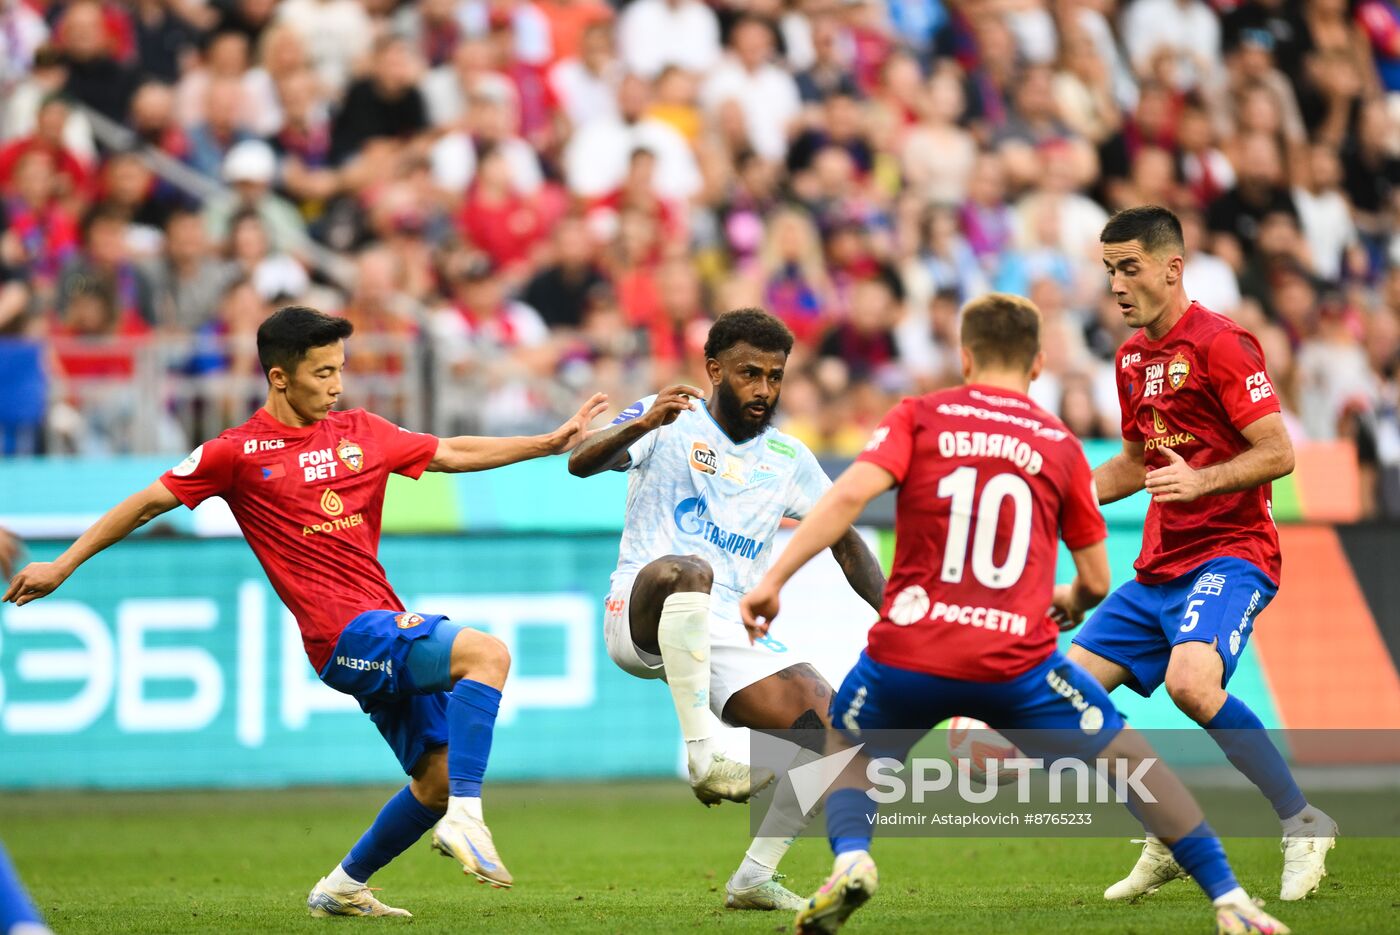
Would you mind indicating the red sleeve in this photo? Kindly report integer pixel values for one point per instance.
(1128, 420)
(206, 472)
(891, 445)
(408, 453)
(1380, 27)
(1237, 374)
(1081, 522)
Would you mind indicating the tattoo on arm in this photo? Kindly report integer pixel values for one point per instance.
(861, 568)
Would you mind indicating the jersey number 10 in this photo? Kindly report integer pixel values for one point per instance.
(961, 487)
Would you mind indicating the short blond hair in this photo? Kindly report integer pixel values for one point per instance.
(1001, 330)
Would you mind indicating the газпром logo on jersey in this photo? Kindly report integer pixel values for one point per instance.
(690, 519)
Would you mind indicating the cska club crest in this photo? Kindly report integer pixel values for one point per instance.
(352, 455)
(1178, 369)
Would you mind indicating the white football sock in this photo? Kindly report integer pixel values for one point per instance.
(1236, 897)
(469, 805)
(782, 823)
(1296, 824)
(341, 882)
(683, 634)
(844, 861)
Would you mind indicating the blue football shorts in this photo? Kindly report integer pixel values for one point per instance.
(1140, 623)
(1055, 709)
(397, 665)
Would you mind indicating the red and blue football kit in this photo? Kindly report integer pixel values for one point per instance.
(989, 483)
(309, 501)
(1208, 567)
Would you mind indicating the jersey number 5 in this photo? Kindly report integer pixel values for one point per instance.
(961, 487)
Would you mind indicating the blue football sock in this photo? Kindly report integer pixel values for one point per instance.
(1201, 855)
(15, 906)
(850, 820)
(1247, 745)
(401, 821)
(471, 717)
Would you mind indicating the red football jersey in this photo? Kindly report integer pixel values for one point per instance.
(1193, 391)
(988, 484)
(309, 502)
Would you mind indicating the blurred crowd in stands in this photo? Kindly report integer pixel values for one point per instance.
(516, 201)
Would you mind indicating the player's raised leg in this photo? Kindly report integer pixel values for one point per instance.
(669, 616)
(17, 914)
(479, 666)
(795, 699)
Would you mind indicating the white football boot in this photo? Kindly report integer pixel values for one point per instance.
(1155, 868)
(720, 777)
(467, 840)
(326, 901)
(767, 895)
(852, 882)
(1247, 919)
(1305, 844)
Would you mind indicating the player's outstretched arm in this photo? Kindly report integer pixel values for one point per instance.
(481, 453)
(829, 521)
(861, 568)
(1089, 587)
(1123, 474)
(38, 579)
(9, 551)
(606, 450)
(1268, 457)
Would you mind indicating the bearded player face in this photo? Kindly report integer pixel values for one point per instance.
(748, 383)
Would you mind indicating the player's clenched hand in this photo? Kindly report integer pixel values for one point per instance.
(670, 402)
(1064, 609)
(1178, 482)
(33, 582)
(757, 609)
(568, 436)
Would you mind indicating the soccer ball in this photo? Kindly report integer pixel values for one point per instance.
(972, 743)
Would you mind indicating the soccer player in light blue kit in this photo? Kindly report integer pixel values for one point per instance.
(710, 481)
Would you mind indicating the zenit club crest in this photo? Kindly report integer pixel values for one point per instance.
(1178, 369)
(350, 454)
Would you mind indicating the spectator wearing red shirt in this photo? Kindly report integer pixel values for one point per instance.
(40, 236)
(96, 338)
(47, 138)
(499, 221)
(638, 193)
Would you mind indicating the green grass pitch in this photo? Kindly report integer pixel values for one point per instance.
(626, 857)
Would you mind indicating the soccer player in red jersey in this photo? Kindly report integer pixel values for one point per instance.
(988, 485)
(1202, 432)
(306, 484)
